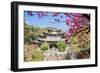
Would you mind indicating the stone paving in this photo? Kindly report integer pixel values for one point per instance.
(54, 54)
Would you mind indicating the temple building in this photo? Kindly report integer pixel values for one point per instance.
(52, 36)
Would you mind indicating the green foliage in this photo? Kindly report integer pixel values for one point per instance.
(75, 46)
(30, 32)
(44, 46)
(38, 55)
(61, 45)
(81, 41)
(74, 40)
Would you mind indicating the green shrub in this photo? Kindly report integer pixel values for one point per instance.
(61, 45)
(38, 55)
(44, 46)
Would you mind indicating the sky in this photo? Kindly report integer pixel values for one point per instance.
(45, 21)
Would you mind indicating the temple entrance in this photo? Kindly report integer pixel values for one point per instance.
(53, 44)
